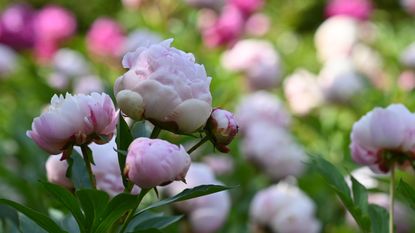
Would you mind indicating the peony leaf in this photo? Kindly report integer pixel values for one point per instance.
(407, 192)
(379, 217)
(123, 140)
(148, 220)
(77, 171)
(93, 203)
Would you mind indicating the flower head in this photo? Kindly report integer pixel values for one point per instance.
(222, 127)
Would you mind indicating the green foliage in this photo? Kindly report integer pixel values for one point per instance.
(407, 192)
(77, 171)
(123, 140)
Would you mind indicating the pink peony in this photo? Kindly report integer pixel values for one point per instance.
(222, 127)
(165, 86)
(359, 9)
(258, 60)
(8, 60)
(105, 38)
(154, 162)
(206, 214)
(382, 135)
(247, 6)
(74, 120)
(284, 208)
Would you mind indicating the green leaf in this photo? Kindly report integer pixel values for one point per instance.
(149, 220)
(186, 194)
(123, 140)
(152, 230)
(69, 201)
(380, 219)
(360, 196)
(42, 220)
(77, 171)
(9, 213)
(93, 202)
(407, 192)
(117, 207)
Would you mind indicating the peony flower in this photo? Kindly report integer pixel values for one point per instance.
(335, 37)
(225, 29)
(408, 5)
(220, 164)
(258, 60)
(54, 24)
(382, 136)
(8, 60)
(258, 24)
(16, 26)
(106, 169)
(284, 208)
(74, 120)
(70, 63)
(141, 38)
(154, 162)
(206, 214)
(222, 127)
(339, 80)
(406, 80)
(165, 86)
(358, 9)
(302, 92)
(105, 38)
(88, 84)
(261, 107)
(247, 6)
(273, 150)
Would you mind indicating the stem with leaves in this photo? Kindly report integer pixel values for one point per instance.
(130, 214)
(391, 198)
(87, 154)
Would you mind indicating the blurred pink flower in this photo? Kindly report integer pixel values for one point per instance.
(302, 92)
(8, 60)
(88, 84)
(16, 26)
(106, 169)
(359, 9)
(273, 151)
(165, 86)
(74, 120)
(247, 6)
(284, 208)
(336, 37)
(383, 130)
(258, 60)
(154, 162)
(220, 164)
(406, 80)
(223, 127)
(206, 214)
(140, 38)
(226, 28)
(132, 4)
(409, 6)
(70, 62)
(261, 106)
(54, 24)
(211, 4)
(105, 38)
(258, 24)
(408, 56)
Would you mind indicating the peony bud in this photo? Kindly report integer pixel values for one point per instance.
(168, 84)
(285, 209)
(384, 136)
(153, 162)
(222, 127)
(74, 120)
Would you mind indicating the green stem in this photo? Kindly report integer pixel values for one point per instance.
(391, 200)
(85, 154)
(130, 214)
(156, 132)
(203, 140)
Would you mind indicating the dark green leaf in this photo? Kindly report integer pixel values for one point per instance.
(379, 217)
(117, 207)
(7, 212)
(152, 230)
(77, 171)
(27, 225)
(42, 220)
(148, 220)
(93, 202)
(186, 194)
(407, 192)
(123, 140)
(360, 196)
(69, 201)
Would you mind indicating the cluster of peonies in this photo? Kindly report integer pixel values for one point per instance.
(266, 141)
(205, 214)
(163, 85)
(258, 60)
(283, 208)
(384, 137)
(22, 27)
(224, 22)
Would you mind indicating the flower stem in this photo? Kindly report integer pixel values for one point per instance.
(130, 214)
(85, 154)
(391, 199)
(156, 132)
(203, 140)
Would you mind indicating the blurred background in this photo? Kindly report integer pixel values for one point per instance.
(307, 68)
